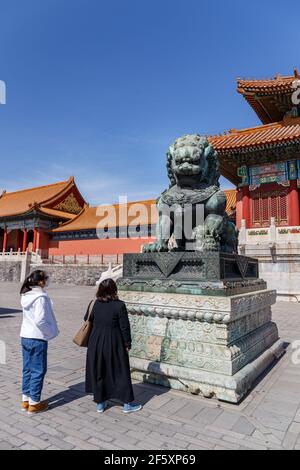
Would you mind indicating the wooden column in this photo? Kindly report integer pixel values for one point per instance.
(38, 237)
(293, 204)
(5, 238)
(239, 208)
(24, 240)
(35, 236)
(246, 206)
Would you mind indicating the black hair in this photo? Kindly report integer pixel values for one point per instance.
(33, 280)
(107, 291)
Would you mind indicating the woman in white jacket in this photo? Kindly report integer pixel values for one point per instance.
(39, 326)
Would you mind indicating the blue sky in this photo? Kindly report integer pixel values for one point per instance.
(99, 89)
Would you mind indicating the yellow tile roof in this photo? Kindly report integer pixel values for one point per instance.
(259, 136)
(267, 85)
(89, 219)
(22, 201)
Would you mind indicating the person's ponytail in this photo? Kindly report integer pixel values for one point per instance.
(33, 280)
(26, 287)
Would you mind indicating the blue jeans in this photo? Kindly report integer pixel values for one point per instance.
(34, 367)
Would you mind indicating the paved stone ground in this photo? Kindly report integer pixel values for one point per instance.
(269, 417)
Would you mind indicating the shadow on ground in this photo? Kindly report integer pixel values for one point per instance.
(142, 393)
(8, 312)
(145, 392)
(72, 393)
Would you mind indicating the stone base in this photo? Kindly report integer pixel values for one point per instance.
(206, 384)
(199, 273)
(210, 345)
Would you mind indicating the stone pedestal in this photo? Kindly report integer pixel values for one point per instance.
(213, 345)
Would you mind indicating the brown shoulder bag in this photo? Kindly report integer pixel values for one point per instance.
(83, 335)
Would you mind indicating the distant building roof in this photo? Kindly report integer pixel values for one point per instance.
(47, 198)
(113, 215)
(121, 216)
(231, 200)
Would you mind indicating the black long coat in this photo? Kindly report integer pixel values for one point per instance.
(107, 365)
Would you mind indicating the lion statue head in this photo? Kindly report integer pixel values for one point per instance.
(193, 162)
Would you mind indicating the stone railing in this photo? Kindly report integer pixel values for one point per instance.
(112, 273)
(280, 237)
(12, 255)
(101, 259)
(19, 256)
(80, 269)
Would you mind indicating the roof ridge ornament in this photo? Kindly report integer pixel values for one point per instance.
(34, 205)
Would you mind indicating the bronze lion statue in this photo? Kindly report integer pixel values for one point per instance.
(192, 213)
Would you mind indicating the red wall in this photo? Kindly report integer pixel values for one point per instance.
(43, 242)
(15, 240)
(94, 247)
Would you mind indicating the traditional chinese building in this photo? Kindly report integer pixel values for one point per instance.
(106, 229)
(28, 216)
(264, 161)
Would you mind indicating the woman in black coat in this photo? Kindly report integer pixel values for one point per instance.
(107, 365)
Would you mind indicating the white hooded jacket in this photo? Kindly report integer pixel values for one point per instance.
(39, 321)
